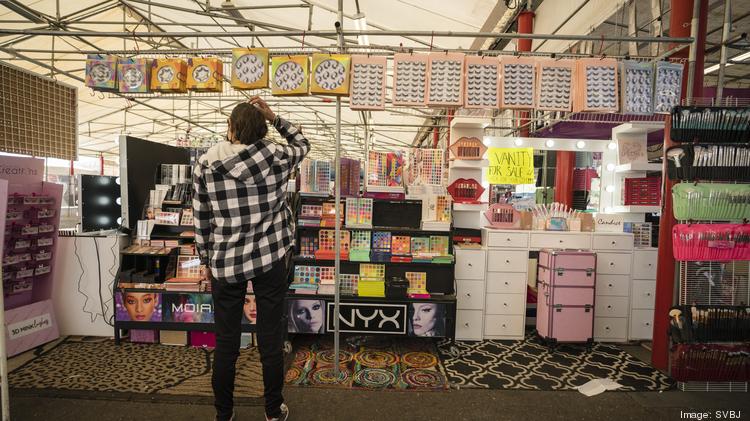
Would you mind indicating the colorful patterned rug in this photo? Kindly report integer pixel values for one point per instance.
(378, 363)
(150, 372)
(529, 365)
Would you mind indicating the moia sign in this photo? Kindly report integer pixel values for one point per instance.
(192, 308)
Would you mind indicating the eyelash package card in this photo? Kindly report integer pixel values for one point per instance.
(445, 79)
(482, 88)
(330, 74)
(637, 87)
(101, 72)
(205, 74)
(517, 81)
(290, 75)
(596, 85)
(249, 68)
(169, 75)
(134, 75)
(409, 79)
(667, 86)
(554, 86)
(367, 91)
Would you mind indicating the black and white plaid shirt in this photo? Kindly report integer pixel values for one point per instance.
(243, 223)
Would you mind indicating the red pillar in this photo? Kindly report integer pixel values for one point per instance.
(566, 161)
(680, 22)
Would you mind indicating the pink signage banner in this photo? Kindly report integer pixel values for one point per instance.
(21, 169)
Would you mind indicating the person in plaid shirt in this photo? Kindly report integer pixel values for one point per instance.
(244, 230)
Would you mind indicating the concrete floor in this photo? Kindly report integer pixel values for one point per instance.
(337, 404)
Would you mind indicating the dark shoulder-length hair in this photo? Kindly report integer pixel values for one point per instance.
(248, 124)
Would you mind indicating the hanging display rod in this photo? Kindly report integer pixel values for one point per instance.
(391, 33)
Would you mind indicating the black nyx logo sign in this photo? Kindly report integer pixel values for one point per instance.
(369, 317)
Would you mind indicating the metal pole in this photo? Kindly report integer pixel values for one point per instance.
(693, 49)
(337, 195)
(724, 40)
(351, 33)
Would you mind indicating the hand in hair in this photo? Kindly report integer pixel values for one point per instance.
(261, 105)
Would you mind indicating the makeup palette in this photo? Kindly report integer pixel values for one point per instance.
(367, 91)
(330, 74)
(409, 79)
(518, 78)
(468, 148)
(250, 68)
(444, 79)
(290, 75)
(169, 75)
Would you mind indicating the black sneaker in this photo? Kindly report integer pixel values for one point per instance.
(284, 414)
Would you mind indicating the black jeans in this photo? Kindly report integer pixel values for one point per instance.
(269, 289)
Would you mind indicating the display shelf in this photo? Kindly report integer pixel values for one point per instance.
(637, 168)
(203, 327)
(391, 229)
(469, 164)
(639, 127)
(309, 261)
(355, 298)
(469, 123)
(475, 207)
(636, 209)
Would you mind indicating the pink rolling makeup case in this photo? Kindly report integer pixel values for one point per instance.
(565, 307)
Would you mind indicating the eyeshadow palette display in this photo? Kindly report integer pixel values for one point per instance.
(598, 78)
(711, 124)
(358, 212)
(667, 86)
(169, 75)
(381, 246)
(205, 74)
(409, 79)
(360, 247)
(385, 171)
(348, 283)
(350, 175)
(464, 190)
(327, 245)
(503, 216)
(249, 68)
(367, 91)
(330, 74)
(290, 75)
(426, 167)
(517, 76)
(309, 244)
(711, 202)
(554, 86)
(709, 162)
(315, 177)
(371, 280)
(400, 248)
(328, 218)
(637, 87)
(445, 79)
(134, 75)
(469, 148)
(101, 72)
(417, 285)
(482, 89)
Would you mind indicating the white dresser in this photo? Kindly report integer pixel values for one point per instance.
(492, 303)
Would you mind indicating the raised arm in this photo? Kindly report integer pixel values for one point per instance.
(287, 156)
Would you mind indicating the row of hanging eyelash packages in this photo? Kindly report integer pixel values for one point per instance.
(434, 79)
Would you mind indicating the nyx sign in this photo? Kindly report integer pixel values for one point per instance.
(369, 317)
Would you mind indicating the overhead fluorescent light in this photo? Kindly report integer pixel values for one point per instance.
(360, 24)
(715, 67)
(23, 10)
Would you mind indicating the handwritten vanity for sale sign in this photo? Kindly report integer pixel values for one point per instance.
(511, 166)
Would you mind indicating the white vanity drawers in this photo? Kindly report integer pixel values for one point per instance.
(644, 264)
(469, 325)
(613, 242)
(643, 294)
(559, 240)
(470, 263)
(642, 324)
(506, 239)
(507, 260)
(610, 328)
(505, 304)
(606, 306)
(506, 282)
(613, 285)
(503, 327)
(470, 295)
(613, 263)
